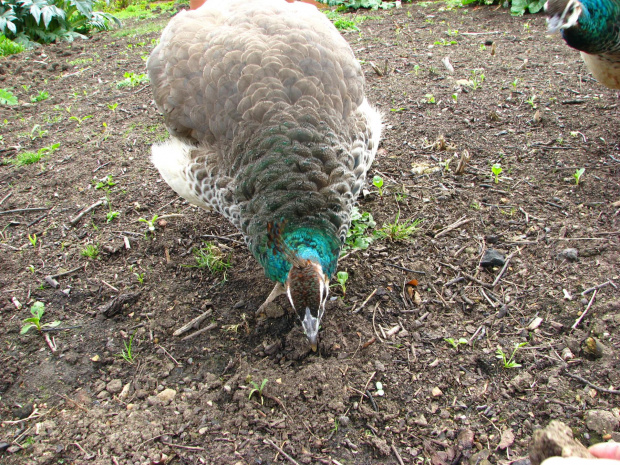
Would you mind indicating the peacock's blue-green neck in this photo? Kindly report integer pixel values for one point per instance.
(309, 244)
(597, 31)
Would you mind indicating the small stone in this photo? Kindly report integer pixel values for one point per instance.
(436, 392)
(491, 258)
(522, 382)
(601, 421)
(593, 348)
(466, 439)
(167, 395)
(153, 400)
(4, 446)
(569, 254)
(115, 386)
(125, 392)
(421, 420)
(13, 449)
(567, 354)
(141, 394)
(379, 366)
(96, 358)
(104, 395)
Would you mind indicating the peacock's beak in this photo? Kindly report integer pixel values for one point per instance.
(311, 328)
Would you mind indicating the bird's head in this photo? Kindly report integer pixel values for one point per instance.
(307, 288)
(562, 14)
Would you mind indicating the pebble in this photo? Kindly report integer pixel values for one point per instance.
(569, 254)
(522, 382)
(491, 258)
(601, 421)
(115, 386)
(567, 354)
(436, 392)
(104, 395)
(379, 366)
(167, 395)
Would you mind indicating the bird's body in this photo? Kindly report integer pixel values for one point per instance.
(592, 27)
(269, 126)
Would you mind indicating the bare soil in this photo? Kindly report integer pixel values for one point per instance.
(537, 112)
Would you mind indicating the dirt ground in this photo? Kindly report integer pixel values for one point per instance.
(189, 401)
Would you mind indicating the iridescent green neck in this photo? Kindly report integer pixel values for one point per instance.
(595, 32)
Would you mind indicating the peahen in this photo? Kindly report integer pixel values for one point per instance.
(269, 125)
(593, 27)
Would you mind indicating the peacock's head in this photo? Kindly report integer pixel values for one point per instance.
(562, 14)
(307, 288)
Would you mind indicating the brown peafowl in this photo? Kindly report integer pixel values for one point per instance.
(264, 102)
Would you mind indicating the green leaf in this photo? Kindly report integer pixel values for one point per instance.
(37, 309)
(7, 97)
(53, 324)
(26, 328)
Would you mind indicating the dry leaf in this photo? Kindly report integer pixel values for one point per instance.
(507, 439)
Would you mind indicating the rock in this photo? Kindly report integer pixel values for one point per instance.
(167, 395)
(13, 449)
(491, 258)
(593, 348)
(601, 421)
(381, 445)
(125, 392)
(103, 395)
(569, 254)
(23, 412)
(556, 440)
(4, 446)
(522, 381)
(115, 386)
(379, 366)
(466, 439)
(436, 392)
(567, 354)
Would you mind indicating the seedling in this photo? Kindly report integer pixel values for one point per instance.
(577, 175)
(111, 216)
(33, 239)
(397, 231)
(477, 78)
(416, 69)
(79, 120)
(132, 80)
(30, 268)
(37, 131)
(91, 251)
(356, 236)
(496, 169)
(430, 98)
(455, 344)
(342, 277)
(112, 106)
(105, 182)
(139, 277)
(379, 392)
(127, 353)
(515, 83)
(42, 95)
(28, 158)
(377, 181)
(211, 257)
(150, 223)
(455, 97)
(7, 97)
(510, 362)
(256, 389)
(37, 310)
(531, 101)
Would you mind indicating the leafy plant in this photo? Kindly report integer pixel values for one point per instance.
(509, 362)
(106, 183)
(256, 389)
(33, 239)
(397, 231)
(150, 223)
(127, 353)
(430, 98)
(37, 310)
(79, 120)
(496, 169)
(455, 344)
(112, 106)
(211, 257)
(91, 251)
(8, 47)
(379, 392)
(37, 131)
(518, 7)
(132, 80)
(28, 158)
(42, 95)
(111, 216)
(477, 78)
(577, 175)
(356, 236)
(47, 21)
(7, 97)
(342, 277)
(377, 181)
(139, 277)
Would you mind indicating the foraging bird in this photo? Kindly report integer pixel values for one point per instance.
(264, 101)
(593, 27)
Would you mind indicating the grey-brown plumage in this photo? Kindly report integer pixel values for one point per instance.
(265, 104)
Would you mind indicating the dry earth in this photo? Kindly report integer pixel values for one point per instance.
(537, 112)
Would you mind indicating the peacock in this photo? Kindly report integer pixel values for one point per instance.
(593, 27)
(264, 102)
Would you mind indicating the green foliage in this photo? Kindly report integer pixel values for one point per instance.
(577, 175)
(42, 95)
(356, 4)
(256, 389)
(33, 239)
(454, 343)
(509, 362)
(398, 231)
(8, 47)
(211, 257)
(377, 181)
(150, 224)
(517, 7)
(37, 310)
(127, 353)
(28, 158)
(356, 236)
(47, 21)
(106, 182)
(132, 80)
(496, 169)
(342, 277)
(7, 97)
(91, 251)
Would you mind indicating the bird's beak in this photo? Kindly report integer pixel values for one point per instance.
(314, 343)
(311, 328)
(554, 24)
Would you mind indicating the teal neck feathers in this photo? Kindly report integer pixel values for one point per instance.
(597, 31)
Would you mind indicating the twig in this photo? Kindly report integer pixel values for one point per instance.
(405, 269)
(374, 327)
(372, 400)
(453, 226)
(64, 273)
(366, 301)
(594, 386)
(179, 446)
(192, 324)
(80, 215)
(508, 258)
(168, 354)
(51, 343)
(600, 286)
(585, 311)
(284, 454)
(33, 415)
(223, 238)
(58, 328)
(6, 197)
(110, 286)
(493, 304)
(200, 331)
(365, 390)
(398, 457)
(23, 210)
(87, 454)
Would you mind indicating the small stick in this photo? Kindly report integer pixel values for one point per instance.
(64, 273)
(74, 221)
(126, 241)
(594, 386)
(9, 246)
(372, 401)
(101, 166)
(223, 238)
(477, 281)
(51, 343)
(284, 454)
(454, 281)
(374, 327)
(398, 457)
(6, 197)
(600, 286)
(87, 454)
(366, 387)
(453, 226)
(493, 304)
(508, 258)
(110, 286)
(168, 354)
(366, 301)
(182, 447)
(200, 331)
(405, 269)
(585, 311)
(32, 223)
(192, 324)
(23, 210)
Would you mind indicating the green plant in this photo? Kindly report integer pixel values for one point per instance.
(127, 352)
(377, 181)
(7, 97)
(42, 95)
(577, 175)
(517, 8)
(150, 223)
(112, 106)
(8, 47)
(356, 236)
(132, 80)
(91, 251)
(356, 4)
(256, 389)
(139, 277)
(111, 216)
(48, 21)
(211, 257)
(430, 98)
(28, 158)
(531, 101)
(342, 277)
(379, 392)
(33, 239)
(37, 132)
(79, 120)
(515, 83)
(496, 169)
(455, 97)
(107, 182)
(510, 362)
(455, 344)
(397, 231)
(416, 69)
(37, 310)
(477, 78)
(445, 42)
